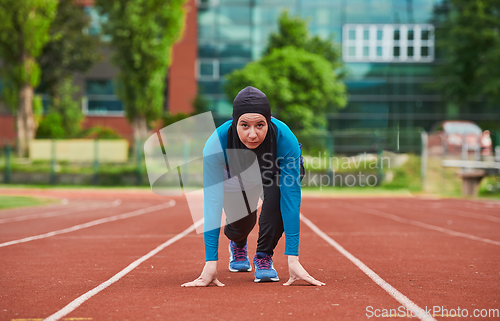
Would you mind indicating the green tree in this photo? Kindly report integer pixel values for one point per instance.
(301, 86)
(70, 49)
(24, 30)
(51, 126)
(200, 104)
(64, 119)
(468, 42)
(292, 31)
(142, 32)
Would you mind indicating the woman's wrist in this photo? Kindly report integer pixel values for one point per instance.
(293, 258)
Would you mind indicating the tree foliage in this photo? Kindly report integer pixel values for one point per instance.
(468, 42)
(51, 126)
(292, 31)
(24, 30)
(300, 75)
(70, 49)
(65, 117)
(301, 86)
(142, 32)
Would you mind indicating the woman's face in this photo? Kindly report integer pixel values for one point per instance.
(252, 129)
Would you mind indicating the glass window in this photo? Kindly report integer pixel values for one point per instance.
(234, 15)
(236, 50)
(206, 32)
(352, 34)
(410, 34)
(322, 16)
(99, 87)
(228, 67)
(396, 34)
(235, 33)
(241, 2)
(383, 48)
(425, 35)
(207, 50)
(260, 34)
(424, 51)
(97, 106)
(207, 69)
(396, 51)
(206, 18)
(380, 34)
(209, 87)
(265, 14)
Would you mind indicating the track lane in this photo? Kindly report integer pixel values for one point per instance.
(418, 262)
(469, 227)
(40, 275)
(430, 267)
(155, 293)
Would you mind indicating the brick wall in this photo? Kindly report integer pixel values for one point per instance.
(182, 85)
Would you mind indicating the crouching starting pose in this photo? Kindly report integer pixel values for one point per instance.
(252, 130)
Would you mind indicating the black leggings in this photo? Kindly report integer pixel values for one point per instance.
(270, 220)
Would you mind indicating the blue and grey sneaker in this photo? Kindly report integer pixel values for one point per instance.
(238, 258)
(264, 268)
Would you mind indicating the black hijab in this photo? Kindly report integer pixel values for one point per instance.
(252, 100)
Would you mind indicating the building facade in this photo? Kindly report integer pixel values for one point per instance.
(100, 105)
(387, 45)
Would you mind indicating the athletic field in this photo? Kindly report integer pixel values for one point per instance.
(122, 255)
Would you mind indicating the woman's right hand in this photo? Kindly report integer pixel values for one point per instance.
(208, 275)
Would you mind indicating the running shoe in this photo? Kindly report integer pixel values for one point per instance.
(264, 268)
(238, 258)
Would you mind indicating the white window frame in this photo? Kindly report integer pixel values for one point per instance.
(387, 43)
(216, 69)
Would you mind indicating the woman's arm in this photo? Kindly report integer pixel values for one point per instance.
(290, 188)
(213, 192)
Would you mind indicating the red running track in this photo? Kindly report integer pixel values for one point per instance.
(431, 253)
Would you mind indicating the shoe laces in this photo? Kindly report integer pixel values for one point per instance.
(264, 263)
(239, 253)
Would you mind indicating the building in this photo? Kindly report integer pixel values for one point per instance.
(100, 105)
(387, 45)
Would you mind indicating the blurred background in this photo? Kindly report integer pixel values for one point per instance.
(385, 95)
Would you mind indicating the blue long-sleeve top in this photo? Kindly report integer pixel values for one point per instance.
(214, 161)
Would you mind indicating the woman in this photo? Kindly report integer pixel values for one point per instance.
(252, 131)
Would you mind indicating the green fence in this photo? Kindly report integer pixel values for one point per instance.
(352, 142)
(366, 147)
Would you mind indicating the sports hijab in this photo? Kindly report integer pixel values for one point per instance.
(252, 100)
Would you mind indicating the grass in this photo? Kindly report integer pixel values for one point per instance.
(64, 167)
(8, 201)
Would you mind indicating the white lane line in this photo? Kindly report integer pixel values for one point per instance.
(396, 218)
(401, 298)
(92, 223)
(449, 211)
(111, 237)
(59, 212)
(80, 300)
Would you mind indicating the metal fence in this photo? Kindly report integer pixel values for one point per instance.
(366, 144)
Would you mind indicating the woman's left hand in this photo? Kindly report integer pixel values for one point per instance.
(297, 272)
